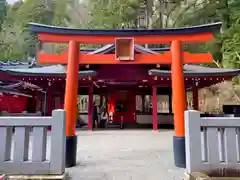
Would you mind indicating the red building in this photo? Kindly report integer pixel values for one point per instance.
(18, 96)
(121, 84)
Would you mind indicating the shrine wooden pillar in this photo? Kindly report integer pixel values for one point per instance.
(101, 100)
(90, 108)
(49, 102)
(62, 101)
(195, 99)
(170, 102)
(105, 102)
(154, 108)
(32, 103)
(70, 102)
(143, 102)
(35, 100)
(179, 103)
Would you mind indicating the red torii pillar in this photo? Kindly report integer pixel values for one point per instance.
(70, 102)
(179, 104)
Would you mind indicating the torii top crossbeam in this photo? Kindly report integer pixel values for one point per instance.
(195, 34)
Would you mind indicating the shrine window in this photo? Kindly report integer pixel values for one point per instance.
(83, 102)
(146, 108)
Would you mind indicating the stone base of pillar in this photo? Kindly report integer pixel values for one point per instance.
(71, 151)
(179, 152)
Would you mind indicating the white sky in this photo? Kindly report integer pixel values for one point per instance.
(11, 1)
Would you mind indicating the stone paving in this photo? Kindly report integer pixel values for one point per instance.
(125, 155)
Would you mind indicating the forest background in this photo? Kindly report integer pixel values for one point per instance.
(16, 43)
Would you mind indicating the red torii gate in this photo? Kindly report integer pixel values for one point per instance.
(124, 40)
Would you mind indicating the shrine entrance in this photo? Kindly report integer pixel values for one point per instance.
(124, 103)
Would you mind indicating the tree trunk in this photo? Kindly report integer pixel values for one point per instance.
(225, 18)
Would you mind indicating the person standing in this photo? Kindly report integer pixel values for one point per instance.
(103, 119)
(78, 123)
(95, 115)
(111, 109)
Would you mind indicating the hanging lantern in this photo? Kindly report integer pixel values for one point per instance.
(155, 78)
(196, 83)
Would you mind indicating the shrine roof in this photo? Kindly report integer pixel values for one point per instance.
(60, 70)
(14, 92)
(20, 88)
(41, 28)
(53, 70)
(198, 71)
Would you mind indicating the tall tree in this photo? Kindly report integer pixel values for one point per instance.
(12, 10)
(17, 42)
(208, 11)
(3, 11)
(61, 13)
(113, 13)
(40, 11)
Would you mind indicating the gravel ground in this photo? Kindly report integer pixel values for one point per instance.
(125, 155)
